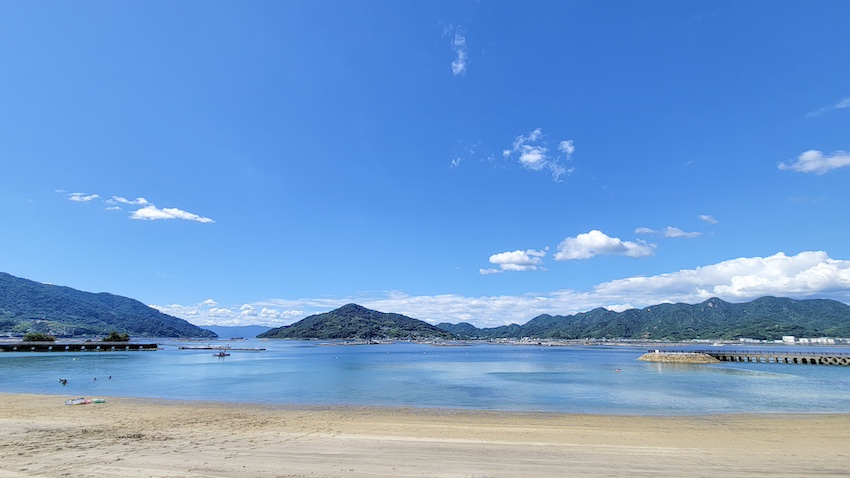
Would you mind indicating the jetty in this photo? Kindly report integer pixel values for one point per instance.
(75, 347)
(771, 356)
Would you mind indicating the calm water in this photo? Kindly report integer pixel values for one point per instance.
(484, 376)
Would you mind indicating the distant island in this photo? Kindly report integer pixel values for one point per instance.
(29, 306)
(236, 331)
(356, 322)
(766, 318)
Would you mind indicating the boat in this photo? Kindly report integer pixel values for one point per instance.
(221, 354)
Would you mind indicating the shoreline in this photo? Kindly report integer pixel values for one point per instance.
(40, 436)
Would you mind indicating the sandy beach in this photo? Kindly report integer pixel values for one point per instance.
(40, 436)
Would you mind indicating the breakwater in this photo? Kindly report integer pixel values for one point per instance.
(75, 347)
(677, 357)
(776, 356)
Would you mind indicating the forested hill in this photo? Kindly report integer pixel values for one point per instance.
(355, 322)
(29, 306)
(766, 318)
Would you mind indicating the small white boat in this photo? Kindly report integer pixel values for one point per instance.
(77, 401)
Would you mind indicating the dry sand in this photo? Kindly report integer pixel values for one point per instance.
(40, 436)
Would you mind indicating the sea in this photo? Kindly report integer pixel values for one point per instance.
(481, 376)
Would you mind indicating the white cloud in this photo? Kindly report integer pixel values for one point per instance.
(459, 47)
(209, 312)
(811, 274)
(533, 157)
(807, 274)
(567, 147)
(707, 218)
(220, 312)
(521, 140)
(533, 154)
(147, 213)
(152, 213)
(456, 162)
(594, 243)
(82, 197)
(528, 260)
(814, 161)
(645, 230)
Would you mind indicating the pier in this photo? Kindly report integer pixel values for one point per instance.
(75, 347)
(776, 356)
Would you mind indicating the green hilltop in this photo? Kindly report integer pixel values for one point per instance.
(29, 306)
(356, 322)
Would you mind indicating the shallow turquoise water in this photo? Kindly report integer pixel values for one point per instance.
(482, 376)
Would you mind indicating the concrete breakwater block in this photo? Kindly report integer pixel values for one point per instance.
(677, 357)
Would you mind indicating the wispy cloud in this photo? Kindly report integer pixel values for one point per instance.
(152, 213)
(707, 218)
(844, 103)
(122, 200)
(595, 242)
(82, 197)
(675, 232)
(669, 231)
(814, 161)
(805, 275)
(532, 153)
(519, 260)
(464, 152)
(461, 52)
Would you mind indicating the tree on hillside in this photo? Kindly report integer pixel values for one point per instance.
(38, 337)
(116, 337)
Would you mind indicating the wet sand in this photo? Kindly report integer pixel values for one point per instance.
(40, 436)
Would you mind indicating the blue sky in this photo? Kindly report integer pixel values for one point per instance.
(256, 162)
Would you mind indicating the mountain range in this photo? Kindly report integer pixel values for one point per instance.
(29, 306)
(766, 318)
